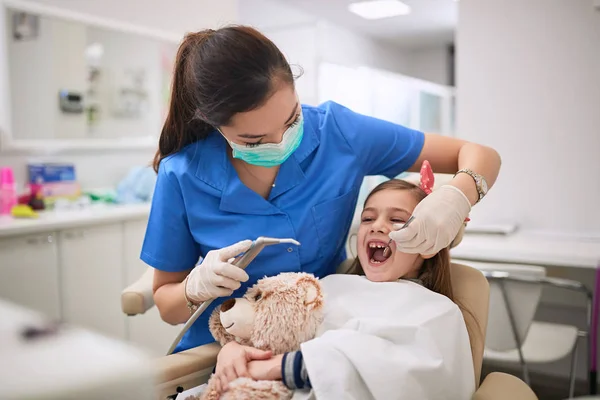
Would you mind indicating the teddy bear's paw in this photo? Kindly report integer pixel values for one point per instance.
(249, 389)
(210, 393)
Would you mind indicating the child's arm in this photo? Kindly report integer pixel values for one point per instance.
(288, 367)
(293, 371)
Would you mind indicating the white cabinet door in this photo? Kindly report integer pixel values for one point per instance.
(92, 278)
(29, 272)
(148, 330)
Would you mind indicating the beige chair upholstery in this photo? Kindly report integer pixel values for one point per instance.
(137, 298)
(191, 368)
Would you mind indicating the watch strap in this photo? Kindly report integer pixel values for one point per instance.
(479, 179)
(190, 305)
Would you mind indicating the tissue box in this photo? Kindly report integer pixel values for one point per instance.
(45, 173)
(54, 181)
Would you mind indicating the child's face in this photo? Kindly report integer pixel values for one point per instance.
(382, 210)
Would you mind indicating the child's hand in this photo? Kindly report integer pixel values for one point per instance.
(232, 362)
(266, 370)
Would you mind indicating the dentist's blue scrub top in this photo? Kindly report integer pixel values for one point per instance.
(200, 204)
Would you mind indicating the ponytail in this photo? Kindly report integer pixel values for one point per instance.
(182, 126)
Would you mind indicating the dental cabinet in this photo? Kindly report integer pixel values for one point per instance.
(73, 266)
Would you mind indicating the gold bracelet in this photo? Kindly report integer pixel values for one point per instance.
(190, 305)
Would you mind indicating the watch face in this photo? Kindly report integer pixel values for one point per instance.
(484, 186)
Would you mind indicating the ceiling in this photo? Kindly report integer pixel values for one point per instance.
(431, 22)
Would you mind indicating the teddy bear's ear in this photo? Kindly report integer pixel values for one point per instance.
(312, 286)
(216, 328)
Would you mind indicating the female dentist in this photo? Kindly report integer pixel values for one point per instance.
(239, 157)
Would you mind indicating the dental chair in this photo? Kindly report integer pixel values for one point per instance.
(190, 368)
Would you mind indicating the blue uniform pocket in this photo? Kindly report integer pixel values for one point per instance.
(332, 221)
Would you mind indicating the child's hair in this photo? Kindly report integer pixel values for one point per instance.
(435, 271)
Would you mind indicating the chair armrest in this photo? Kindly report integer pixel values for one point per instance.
(501, 386)
(137, 297)
(174, 366)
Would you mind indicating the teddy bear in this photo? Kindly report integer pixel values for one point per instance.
(278, 313)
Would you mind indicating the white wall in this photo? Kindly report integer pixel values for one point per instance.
(100, 169)
(301, 54)
(528, 84)
(308, 40)
(339, 45)
(430, 64)
(34, 90)
(177, 16)
(116, 63)
(531, 89)
(60, 47)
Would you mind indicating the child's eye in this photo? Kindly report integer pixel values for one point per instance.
(366, 219)
(252, 144)
(397, 220)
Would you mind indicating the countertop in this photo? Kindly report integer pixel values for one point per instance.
(530, 248)
(56, 220)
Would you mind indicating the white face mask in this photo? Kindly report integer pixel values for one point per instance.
(271, 154)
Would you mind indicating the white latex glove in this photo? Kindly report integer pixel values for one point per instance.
(438, 219)
(216, 276)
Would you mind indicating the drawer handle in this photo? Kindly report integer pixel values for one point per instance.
(40, 240)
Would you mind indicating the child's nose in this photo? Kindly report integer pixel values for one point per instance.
(379, 225)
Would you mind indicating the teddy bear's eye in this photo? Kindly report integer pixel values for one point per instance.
(257, 296)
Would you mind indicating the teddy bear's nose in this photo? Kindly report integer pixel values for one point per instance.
(227, 305)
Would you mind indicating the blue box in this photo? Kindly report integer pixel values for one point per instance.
(51, 172)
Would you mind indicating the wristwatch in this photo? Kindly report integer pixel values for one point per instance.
(190, 305)
(480, 182)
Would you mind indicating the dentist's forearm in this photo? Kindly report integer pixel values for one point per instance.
(171, 303)
(481, 160)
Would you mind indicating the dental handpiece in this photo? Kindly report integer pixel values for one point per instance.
(241, 261)
(387, 252)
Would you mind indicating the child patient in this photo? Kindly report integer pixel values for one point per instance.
(359, 334)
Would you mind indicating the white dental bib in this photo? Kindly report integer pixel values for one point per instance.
(392, 340)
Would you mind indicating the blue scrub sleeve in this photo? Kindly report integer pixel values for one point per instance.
(169, 244)
(382, 147)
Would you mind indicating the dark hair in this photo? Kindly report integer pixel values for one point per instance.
(217, 74)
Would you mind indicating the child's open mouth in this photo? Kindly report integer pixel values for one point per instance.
(375, 250)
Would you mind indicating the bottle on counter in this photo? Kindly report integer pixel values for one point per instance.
(36, 200)
(8, 191)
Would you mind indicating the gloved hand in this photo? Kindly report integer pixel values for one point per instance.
(438, 219)
(216, 276)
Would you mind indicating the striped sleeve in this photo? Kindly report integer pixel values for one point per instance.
(293, 371)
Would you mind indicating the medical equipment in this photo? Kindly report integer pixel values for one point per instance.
(387, 252)
(241, 261)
